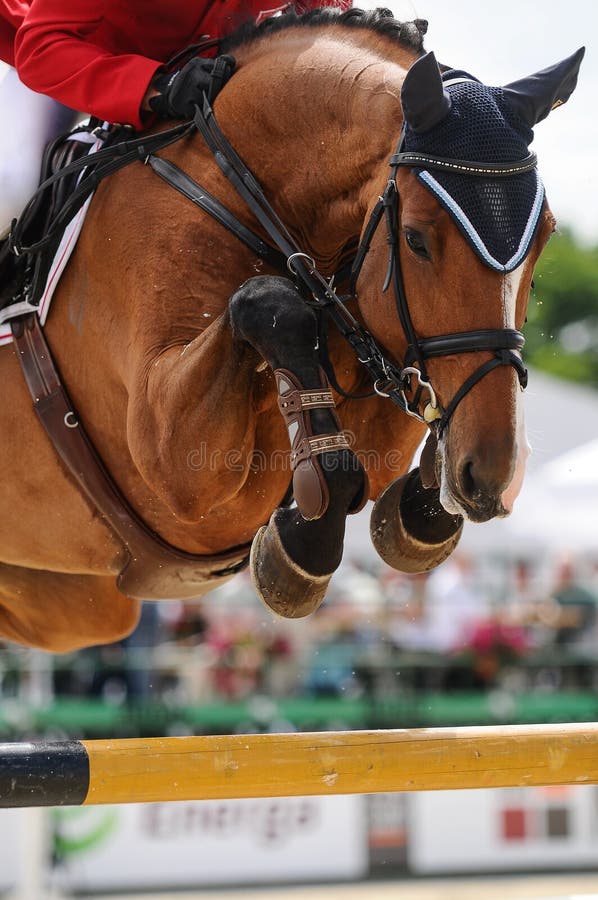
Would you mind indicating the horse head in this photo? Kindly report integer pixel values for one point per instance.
(471, 220)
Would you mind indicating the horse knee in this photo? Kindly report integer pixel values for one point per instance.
(254, 302)
(269, 313)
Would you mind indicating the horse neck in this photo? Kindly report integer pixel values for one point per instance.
(316, 121)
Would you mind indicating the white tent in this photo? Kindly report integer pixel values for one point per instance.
(557, 508)
(575, 472)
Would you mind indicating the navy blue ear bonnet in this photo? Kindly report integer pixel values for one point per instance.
(498, 216)
(459, 123)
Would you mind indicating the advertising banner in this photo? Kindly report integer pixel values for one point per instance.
(185, 844)
(11, 834)
(503, 829)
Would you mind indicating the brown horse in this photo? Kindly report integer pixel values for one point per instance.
(179, 375)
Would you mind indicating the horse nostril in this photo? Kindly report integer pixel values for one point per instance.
(468, 484)
(478, 491)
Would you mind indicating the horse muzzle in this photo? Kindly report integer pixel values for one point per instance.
(471, 487)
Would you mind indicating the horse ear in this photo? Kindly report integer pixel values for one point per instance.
(424, 100)
(534, 97)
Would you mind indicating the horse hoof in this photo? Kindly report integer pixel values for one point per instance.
(283, 586)
(409, 528)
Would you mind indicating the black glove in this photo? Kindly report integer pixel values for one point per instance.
(181, 91)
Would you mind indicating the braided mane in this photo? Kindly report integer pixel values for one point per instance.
(381, 21)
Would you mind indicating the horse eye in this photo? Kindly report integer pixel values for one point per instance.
(415, 241)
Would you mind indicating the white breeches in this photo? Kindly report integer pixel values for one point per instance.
(27, 122)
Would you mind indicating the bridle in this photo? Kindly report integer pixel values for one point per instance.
(389, 379)
(505, 343)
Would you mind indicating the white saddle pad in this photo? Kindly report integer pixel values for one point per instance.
(63, 254)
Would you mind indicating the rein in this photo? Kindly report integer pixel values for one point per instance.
(389, 379)
(290, 258)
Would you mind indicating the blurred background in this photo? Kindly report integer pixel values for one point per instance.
(506, 631)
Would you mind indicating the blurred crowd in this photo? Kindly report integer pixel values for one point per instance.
(462, 626)
(466, 625)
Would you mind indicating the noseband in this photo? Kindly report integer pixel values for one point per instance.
(390, 380)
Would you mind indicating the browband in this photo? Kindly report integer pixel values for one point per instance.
(464, 166)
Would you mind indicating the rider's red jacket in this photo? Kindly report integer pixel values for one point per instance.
(98, 56)
(12, 13)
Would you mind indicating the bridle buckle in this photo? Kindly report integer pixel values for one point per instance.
(432, 410)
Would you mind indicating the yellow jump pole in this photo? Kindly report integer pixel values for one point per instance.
(279, 765)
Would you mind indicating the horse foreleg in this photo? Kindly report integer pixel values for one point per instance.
(59, 612)
(294, 556)
(190, 407)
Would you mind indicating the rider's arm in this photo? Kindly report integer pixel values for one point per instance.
(7, 37)
(11, 16)
(71, 51)
(56, 54)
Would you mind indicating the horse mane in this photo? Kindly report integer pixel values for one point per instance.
(409, 35)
